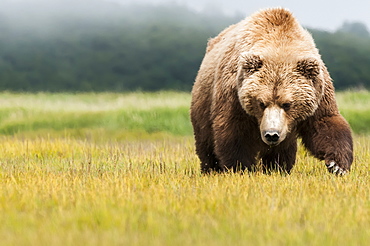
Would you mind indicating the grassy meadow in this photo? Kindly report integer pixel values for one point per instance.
(120, 169)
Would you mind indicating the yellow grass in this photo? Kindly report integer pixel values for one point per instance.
(72, 192)
(63, 189)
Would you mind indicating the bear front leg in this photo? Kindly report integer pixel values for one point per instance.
(236, 145)
(205, 152)
(204, 146)
(329, 138)
(234, 155)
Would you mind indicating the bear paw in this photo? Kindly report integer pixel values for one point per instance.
(335, 169)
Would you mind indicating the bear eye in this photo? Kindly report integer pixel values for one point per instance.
(286, 106)
(262, 105)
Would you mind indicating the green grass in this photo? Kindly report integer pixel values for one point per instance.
(120, 114)
(124, 116)
(355, 108)
(135, 181)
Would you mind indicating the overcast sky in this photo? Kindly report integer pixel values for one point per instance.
(323, 14)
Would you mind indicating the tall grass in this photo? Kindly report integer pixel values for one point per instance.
(84, 185)
(70, 192)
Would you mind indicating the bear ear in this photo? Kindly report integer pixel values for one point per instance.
(309, 67)
(250, 62)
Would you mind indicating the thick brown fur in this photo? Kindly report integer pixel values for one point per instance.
(266, 62)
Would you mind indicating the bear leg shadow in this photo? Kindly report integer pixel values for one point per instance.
(280, 158)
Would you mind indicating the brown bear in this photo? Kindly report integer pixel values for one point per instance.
(262, 84)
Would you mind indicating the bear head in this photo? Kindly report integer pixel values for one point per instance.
(279, 92)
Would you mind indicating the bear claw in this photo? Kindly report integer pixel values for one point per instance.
(332, 164)
(335, 169)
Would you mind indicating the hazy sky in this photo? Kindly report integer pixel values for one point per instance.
(324, 14)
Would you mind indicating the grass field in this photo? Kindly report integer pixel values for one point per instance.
(120, 169)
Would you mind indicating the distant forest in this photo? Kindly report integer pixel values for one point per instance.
(148, 48)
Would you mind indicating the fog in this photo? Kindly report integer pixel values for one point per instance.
(328, 15)
(44, 15)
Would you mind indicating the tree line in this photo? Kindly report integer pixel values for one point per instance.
(145, 48)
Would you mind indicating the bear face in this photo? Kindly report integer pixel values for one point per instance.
(279, 94)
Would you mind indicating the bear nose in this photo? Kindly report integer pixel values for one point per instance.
(272, 136)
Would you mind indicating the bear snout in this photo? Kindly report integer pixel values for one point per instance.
(272, 137)
(274, 125)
